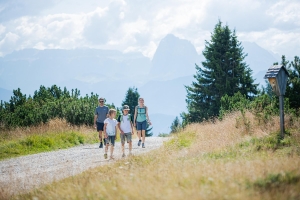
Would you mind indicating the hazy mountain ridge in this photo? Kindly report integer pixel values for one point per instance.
(110, 73)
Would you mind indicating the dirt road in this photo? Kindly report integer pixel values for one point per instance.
(22, 174)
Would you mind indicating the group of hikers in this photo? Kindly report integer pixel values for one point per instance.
(107, 125)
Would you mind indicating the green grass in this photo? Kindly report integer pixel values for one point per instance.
(255, 145)
(274, 181)
(180, 141)
(38, 143)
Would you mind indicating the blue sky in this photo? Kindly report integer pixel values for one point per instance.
(138, 26)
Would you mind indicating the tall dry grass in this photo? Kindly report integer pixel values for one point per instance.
(53, 126)
(205, 161)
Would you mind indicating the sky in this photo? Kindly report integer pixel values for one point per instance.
(138, 25)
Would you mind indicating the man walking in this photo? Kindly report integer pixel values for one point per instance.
(101, 113)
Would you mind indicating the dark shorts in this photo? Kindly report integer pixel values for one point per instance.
(100, 126)
(126, 136)
(110, 140)
(141, 125)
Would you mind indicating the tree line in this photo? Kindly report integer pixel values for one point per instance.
(53, 102)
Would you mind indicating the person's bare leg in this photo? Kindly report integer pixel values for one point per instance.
(139, 134)
(143, 136)
(130, 147)
(106, 148)
(123, 148)
(111, 151)
(100, 136)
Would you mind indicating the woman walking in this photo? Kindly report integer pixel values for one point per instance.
(140, 121)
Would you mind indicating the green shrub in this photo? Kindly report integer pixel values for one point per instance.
(276, 180)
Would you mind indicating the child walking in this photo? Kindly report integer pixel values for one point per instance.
(110, 132)
(126, 128)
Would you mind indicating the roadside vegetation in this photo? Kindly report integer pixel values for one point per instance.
(53, 135)
(217, 159)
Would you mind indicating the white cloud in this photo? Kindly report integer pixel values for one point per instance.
(140, 25)
(2, 29)
(8, 43)
(285, 12)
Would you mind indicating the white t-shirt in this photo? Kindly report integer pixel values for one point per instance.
(125, 124)
(111, 126)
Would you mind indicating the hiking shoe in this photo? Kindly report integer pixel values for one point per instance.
(139, 143)
(123, 155)
(143, 145)
(105, 155)
(101, 145)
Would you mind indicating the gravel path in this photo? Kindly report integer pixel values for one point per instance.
(19, 175)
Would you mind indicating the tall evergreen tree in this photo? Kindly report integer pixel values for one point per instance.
(131, 99)
(176, 125)
(293, 84)
(293, 89)
(223, 72)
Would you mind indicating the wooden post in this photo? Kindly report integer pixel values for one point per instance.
(281, 110)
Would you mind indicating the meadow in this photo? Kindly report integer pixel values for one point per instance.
(54, 135)
(236, 158)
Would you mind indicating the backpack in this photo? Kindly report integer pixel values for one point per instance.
(138, 108)
(129, 117)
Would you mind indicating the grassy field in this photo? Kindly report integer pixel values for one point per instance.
(56, 134)
(236, 158)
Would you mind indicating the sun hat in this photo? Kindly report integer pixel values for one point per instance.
(125, 107)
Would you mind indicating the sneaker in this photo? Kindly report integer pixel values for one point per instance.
(105, 155)
(123, 155)
(101, 145)
(143, 145)
(139, 143)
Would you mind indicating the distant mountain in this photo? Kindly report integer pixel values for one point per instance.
(260, 78)
(174, 57)
(161, 123)
(166, 97)
(30, 68)
(259, 59)
(5, 94)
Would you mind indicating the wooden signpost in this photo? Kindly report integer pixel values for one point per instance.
(278, 76)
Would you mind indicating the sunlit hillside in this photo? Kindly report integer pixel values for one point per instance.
(236, 158)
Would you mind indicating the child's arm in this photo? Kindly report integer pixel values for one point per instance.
(132, 130)
(119, 125)
(104, 130)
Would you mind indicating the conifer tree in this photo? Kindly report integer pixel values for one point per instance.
(131, 99)
(224, 71)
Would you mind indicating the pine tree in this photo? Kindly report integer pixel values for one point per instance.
(293, 84)
(223, 72)
(176, 125)
(131, 99)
